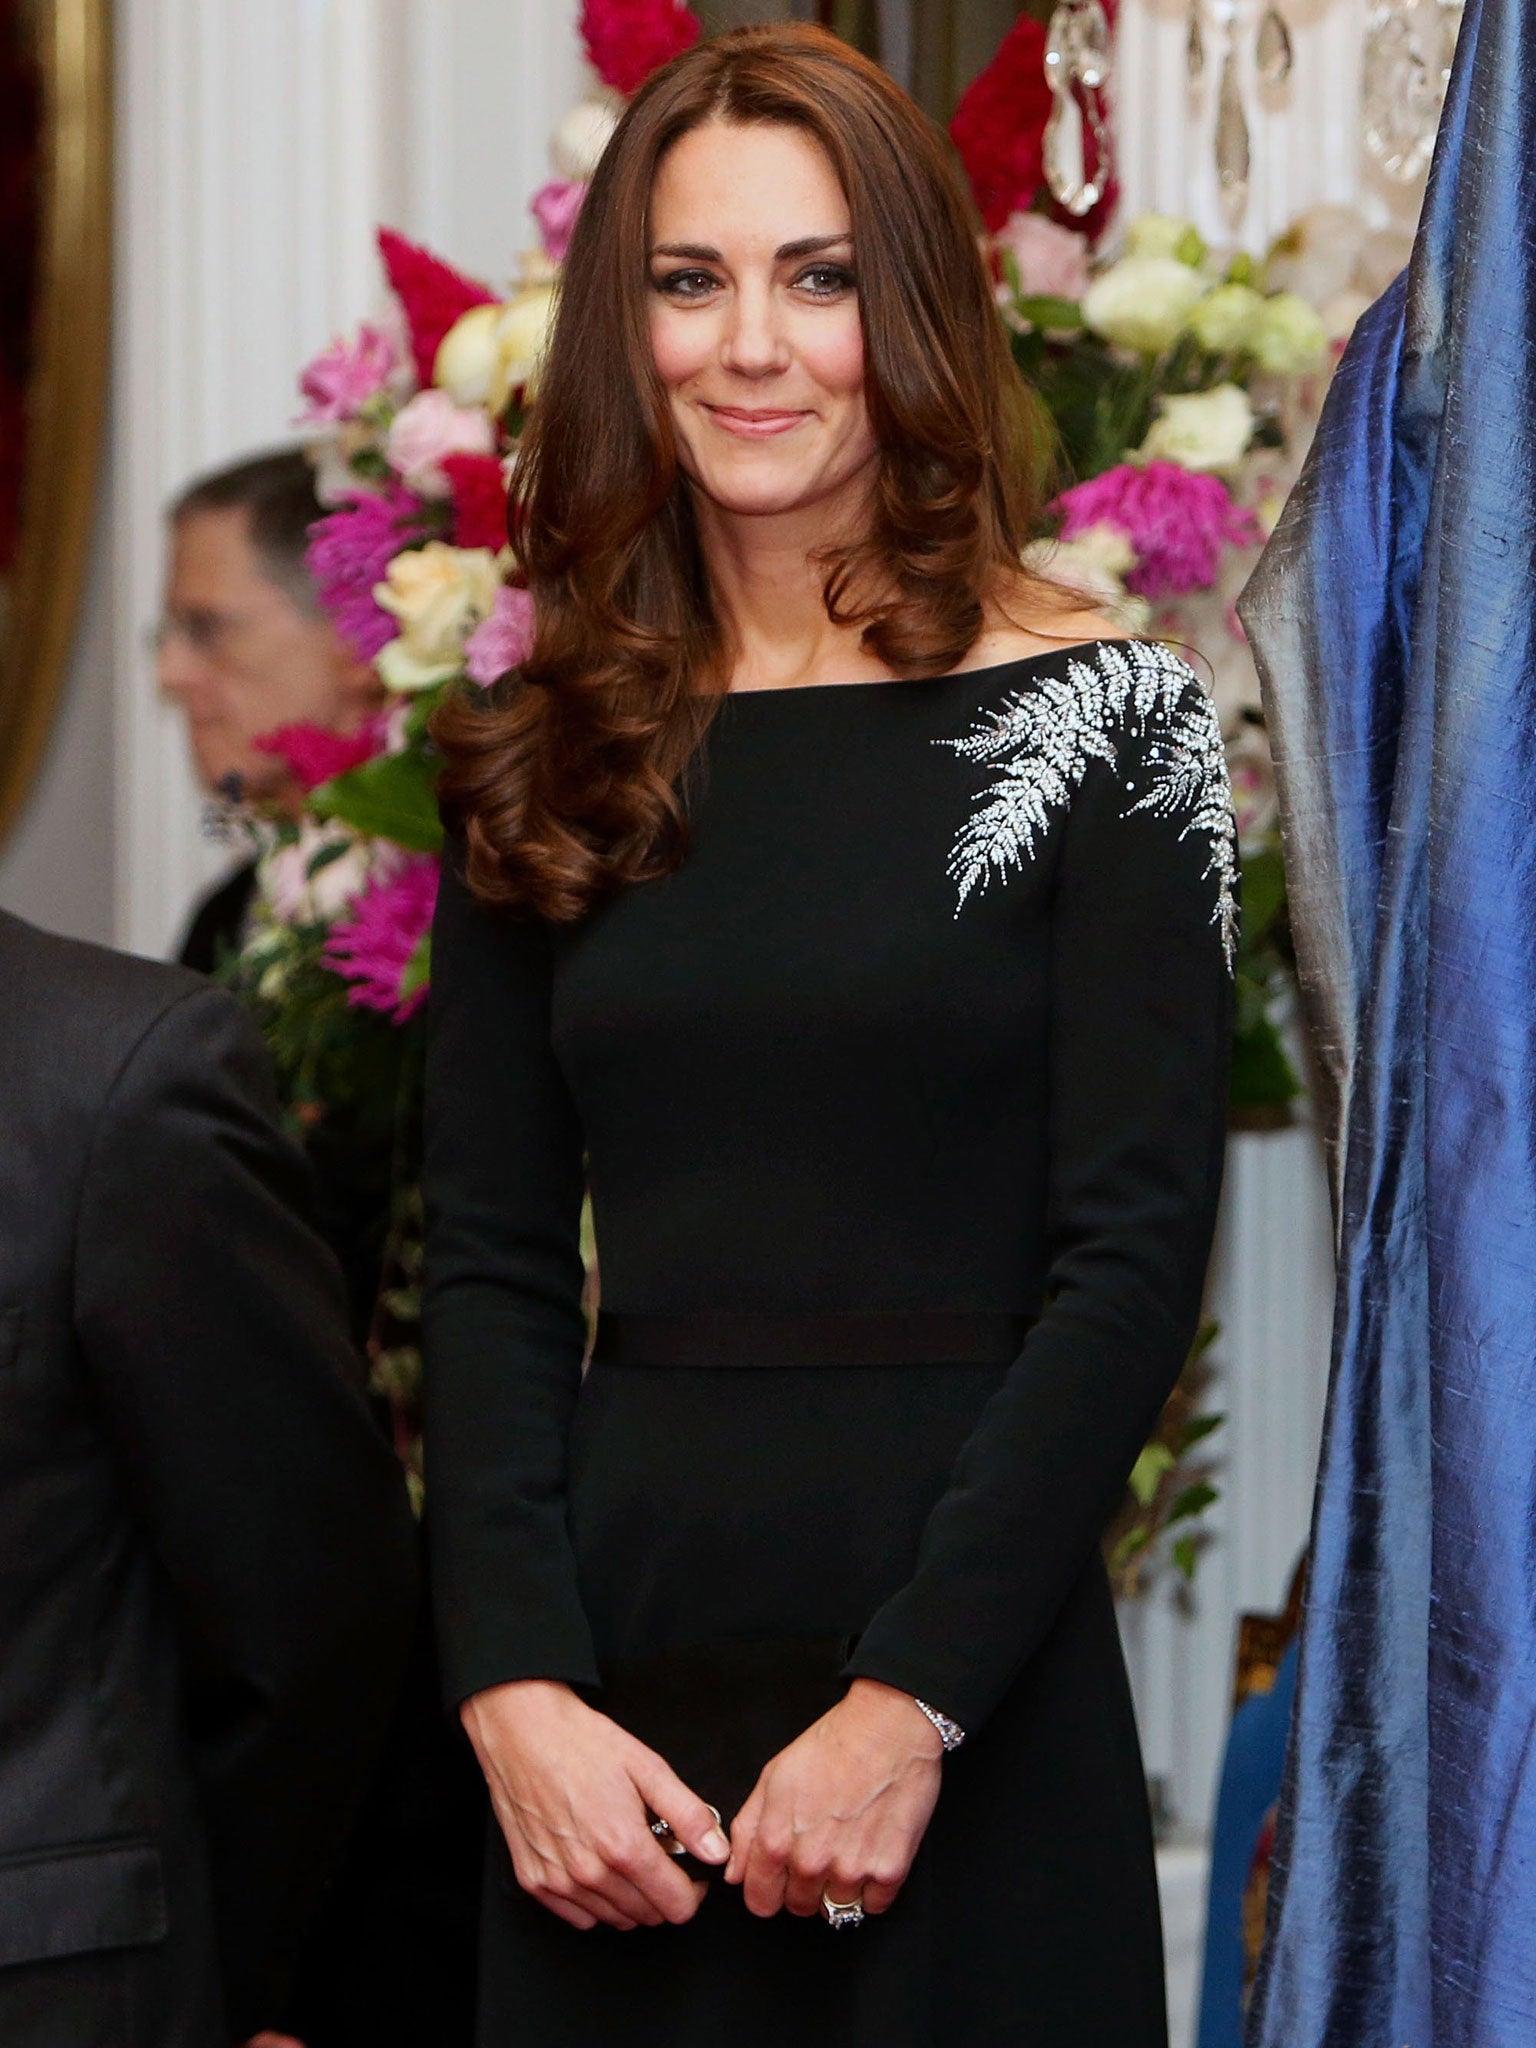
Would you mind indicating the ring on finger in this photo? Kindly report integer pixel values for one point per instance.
(842, 1912)
(663, 1831)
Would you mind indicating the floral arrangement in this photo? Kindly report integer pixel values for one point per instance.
(1173, 381)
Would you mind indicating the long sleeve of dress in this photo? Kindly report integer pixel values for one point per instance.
(1141, 1019)
(503, 1323)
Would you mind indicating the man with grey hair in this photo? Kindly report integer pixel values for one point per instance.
(244, 647)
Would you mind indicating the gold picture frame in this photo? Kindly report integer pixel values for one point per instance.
(67, 382)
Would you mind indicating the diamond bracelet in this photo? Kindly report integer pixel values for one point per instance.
(951, 1734)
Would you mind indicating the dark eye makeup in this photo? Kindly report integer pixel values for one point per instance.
(817, 280)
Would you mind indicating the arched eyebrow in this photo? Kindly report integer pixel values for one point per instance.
(787, 252)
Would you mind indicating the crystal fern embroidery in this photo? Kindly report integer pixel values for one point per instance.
(1043, 740)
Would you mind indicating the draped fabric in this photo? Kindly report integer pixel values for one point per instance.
(1392, 621)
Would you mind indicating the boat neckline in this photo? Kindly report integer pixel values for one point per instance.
(954, 675)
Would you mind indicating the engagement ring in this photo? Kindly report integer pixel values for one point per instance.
(841, 1913)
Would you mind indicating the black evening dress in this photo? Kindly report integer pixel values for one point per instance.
(930, 1031)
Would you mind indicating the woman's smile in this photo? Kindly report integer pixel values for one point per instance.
(753, 422)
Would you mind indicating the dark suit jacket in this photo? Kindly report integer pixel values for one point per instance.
(206, 1559)
(216, 927)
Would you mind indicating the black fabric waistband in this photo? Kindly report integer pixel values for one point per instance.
(859, 1337)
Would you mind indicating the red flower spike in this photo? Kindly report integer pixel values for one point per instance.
(312, 754)
(432, 293)
(629, 39)
(999, 125)
(479, 495)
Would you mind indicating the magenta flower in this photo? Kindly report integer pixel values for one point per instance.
(381, 945)
(349, 551)
(1178, 520)
(312, 754)
(555, 207)
(342, 378)
(503, 640)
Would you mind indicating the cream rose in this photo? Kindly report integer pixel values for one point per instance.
(439, 594)
(1206, 430)
(1142, 302)
(491, 350)
(1164, 234)
(1289, 337)
(1225, 319)
(1095, 562)
(467, 357)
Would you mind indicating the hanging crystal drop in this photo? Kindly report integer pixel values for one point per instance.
(1399, 92)
(1272, 52)
(1194, 46)
(1062, 146)
(1090, 46)
(1066, 170)
(1232, 157)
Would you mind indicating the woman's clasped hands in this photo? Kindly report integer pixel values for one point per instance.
(840, 1812)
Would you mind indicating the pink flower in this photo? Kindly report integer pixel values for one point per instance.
(429, 427)
(312, 754)
(503, 640)
(342, 378)
(349, 551)
(629, 39)
(1178, 520)
(380, 946)
(1052, 261)
(555, 207)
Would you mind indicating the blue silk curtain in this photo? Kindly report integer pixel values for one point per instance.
(1393, 617)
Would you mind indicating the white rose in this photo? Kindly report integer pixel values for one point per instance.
(439, 594)
(287, 891)
(1289, 337)
(582, 137)
(1142, 302)
(1163, 234)
(1224, 320)
(1206, 430)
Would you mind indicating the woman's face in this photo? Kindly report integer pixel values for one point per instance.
(755, 319)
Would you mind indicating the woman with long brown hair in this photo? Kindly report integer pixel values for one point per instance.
(854, 918)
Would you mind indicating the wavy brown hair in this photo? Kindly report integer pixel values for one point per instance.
(566, 781)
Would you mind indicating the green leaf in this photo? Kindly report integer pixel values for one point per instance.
(1263, 893)
(418, 969)
(1052, 315)
(1262, 1076)
(1196, 1431)
(390, 797)
(1186, 1553)
(1149, 1471)
(324, 857)
(1205, 1337)
(1131, 1544)
(1194, 1500)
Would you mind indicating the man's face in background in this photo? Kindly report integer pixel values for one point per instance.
(240, 656)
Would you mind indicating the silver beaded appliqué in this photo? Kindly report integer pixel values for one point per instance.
(1042, 741)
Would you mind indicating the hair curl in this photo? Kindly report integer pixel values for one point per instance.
(566, 781)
